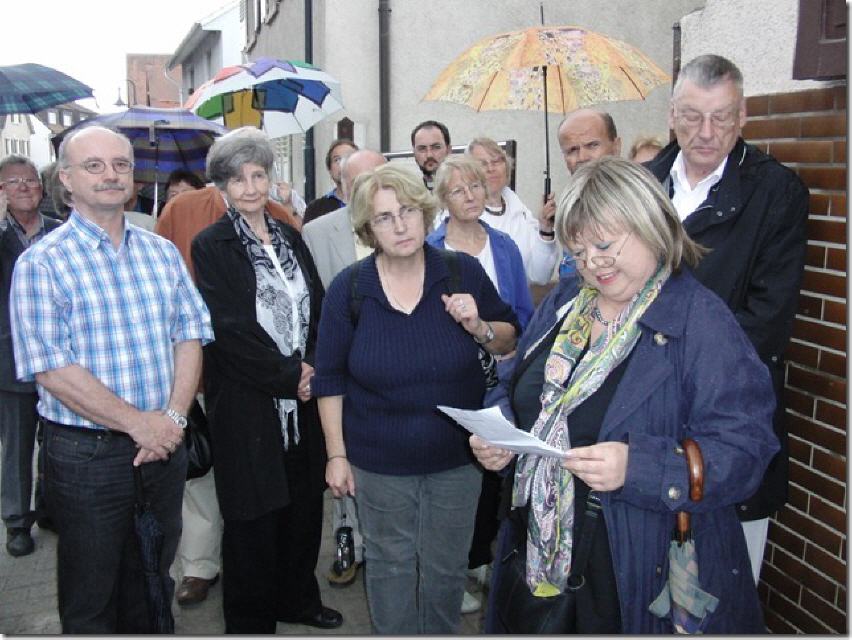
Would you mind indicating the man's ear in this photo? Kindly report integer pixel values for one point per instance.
(616, 147)
(743, 115)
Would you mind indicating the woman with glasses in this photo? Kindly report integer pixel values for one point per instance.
(505, 212)
(264, 294)
(460, 187)
(616, 373)
(398, 335)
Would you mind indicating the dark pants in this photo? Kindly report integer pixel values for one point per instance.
(18, 422)
(487, 523)
(269, 564)
(90, 494)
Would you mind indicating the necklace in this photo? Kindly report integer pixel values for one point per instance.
(393, 299)
(596, 314)
(497, 212)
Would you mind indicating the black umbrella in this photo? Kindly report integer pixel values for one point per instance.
(150, 537)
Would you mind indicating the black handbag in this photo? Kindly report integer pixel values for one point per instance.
(519, 611)
(198, 451)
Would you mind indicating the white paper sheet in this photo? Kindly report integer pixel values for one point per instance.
(490, 425)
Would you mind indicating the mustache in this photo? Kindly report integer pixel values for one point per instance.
(110, 186)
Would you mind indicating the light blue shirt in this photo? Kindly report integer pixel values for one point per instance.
(118, 313)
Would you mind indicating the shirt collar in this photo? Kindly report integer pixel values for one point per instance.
(678, 173)
(91, 234)
(23, 232)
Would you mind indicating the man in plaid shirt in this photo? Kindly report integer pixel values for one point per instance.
(107, 321)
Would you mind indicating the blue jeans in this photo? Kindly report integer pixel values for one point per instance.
(90, 494)
(417, 532)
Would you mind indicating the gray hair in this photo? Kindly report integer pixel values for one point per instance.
(467, 166)
(236, 148)
(707, 71)
(491, 147)
(62, 155)
(615, 194)
(15, 160)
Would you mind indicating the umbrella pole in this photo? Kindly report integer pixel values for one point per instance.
(546, 137)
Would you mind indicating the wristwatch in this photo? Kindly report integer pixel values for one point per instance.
(489, 335)
(179, 420)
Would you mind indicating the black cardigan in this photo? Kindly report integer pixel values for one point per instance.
(244, 371)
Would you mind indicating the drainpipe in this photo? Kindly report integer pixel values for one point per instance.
(309, 157)
(676, 61)
(384, 74)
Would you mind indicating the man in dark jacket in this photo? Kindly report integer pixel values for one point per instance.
(21, 226)
(751, 212)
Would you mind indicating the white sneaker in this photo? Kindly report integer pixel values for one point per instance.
(480, 574)
(470, 603)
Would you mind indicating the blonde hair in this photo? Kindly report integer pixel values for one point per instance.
(468, 167)
(491, 147)
(409, 190)
(616, 194)
(645, 142)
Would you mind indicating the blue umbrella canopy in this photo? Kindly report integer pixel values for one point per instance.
(163, 139)
(29, 88)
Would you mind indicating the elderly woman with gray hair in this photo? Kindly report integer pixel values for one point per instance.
(264, 294)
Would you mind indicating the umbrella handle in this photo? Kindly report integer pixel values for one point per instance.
(695, 466)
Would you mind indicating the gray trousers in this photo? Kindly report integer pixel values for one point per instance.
(18, 425)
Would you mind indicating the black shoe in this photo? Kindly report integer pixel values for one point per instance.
(19, 542)
(326, 618)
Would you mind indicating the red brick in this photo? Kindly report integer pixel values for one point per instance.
(834, 312)
(800, 450)
(830, 565)
(805, 151)
(833, 516)
(832, 363)
(840, 601)
(781, 582)
(823, 177)
(817, 383)
(840, 97)
(829, 126)
(802, 354)
(757, 105)
(799, 401)
(810, 306)
(798, 498)
(826, 612)
(815, 483)
(822, 230)
(836, 259)
(819, 203)
(826, 283)
(776, 624)
(820, 435)
(809, 578)
(811, 530)
(830, 463)
(801, 101)
(833, 415)
(797, 616)
(840, 151)
(788, 540)
(816, 254)
(773, 128)
(838, 204)
(821, 334)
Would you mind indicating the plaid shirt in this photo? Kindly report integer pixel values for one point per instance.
(117, 313)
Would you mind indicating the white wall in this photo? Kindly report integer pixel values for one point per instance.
(41, 151)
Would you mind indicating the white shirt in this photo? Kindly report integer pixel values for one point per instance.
(685, 198)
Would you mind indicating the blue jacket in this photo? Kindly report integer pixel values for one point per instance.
(692, 373)
(511, 276)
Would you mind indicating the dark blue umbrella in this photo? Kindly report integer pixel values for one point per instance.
(30, 88)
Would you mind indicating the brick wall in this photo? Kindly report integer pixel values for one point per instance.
(803, 581)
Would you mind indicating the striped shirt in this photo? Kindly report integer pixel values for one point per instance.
(118, 313)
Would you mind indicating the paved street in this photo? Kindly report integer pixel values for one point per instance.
(28, 596)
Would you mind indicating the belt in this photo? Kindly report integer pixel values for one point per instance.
(87, 431)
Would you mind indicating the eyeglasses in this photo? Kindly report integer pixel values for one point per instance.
(724, 119)
(473, 188)
(405, 216)
(97, 167)
(600, 261)
(32, 183)
(493, 164)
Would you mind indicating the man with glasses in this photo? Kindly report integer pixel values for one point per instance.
(430, 141)
(333, 200)
(21, 226)
(752, 212)
(107, 321)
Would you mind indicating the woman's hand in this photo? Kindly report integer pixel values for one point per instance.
(338, 476)
(602, 466)
(490, 457)
(462, 307)
(303, 391)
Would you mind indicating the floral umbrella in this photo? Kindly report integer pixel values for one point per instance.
(280, 96)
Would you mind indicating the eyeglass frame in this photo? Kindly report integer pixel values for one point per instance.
(603, 262)
(386, 219)
(32, 183)
(732, 111)
(492, 164)
(82, 165)
(459, 192)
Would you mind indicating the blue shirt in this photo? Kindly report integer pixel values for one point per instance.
(118, 313)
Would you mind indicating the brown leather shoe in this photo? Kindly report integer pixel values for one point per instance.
(193, 590)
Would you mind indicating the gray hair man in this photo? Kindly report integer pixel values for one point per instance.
(752, 212)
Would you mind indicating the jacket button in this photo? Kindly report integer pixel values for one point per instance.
(674, 493)
(743, 507)
(659, 570)
(660, 339)
(679, 450)
(720, 213)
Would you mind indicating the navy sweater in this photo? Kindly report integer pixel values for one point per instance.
(393, 368)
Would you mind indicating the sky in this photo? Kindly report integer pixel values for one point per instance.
(89, 39)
